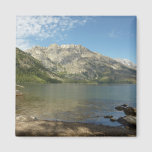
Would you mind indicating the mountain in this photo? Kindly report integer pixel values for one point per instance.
(126, 62)
(75, 63)
(29, 69)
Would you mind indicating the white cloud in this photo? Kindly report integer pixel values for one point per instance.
(43, 27)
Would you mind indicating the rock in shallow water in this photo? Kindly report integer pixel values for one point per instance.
(128, 120)
(130, 111)
(125, 105)
(120, 108)
(127, 110)
(113, 119)
(108, 116)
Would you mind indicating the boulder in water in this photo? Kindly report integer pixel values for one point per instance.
(130, 111)
(122, 107)
(128, 120)
(127, 110)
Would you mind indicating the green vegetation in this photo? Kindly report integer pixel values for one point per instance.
(28, 69)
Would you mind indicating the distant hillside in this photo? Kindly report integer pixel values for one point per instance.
(75, 63)
(29, 69)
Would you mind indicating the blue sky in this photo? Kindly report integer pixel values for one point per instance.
(113, 36)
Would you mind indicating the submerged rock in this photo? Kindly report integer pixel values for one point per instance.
(108, 116)
(113, 119)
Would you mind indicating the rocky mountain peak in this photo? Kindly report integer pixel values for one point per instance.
(54, 46)
(78, 62)
(71, 46)
(126, 62)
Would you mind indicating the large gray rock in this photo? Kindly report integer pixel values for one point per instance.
(130, 111)
(128, 120)
(120, 108)
(127, 110)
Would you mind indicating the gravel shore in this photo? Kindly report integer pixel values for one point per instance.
(59, 128)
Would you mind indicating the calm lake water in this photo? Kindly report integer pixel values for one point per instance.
(75, 102)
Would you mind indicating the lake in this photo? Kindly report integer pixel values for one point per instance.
(87, 103)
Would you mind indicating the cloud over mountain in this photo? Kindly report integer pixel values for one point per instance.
(43, 27)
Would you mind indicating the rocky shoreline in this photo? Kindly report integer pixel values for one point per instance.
(59, 128)
(129, 120)
(31, 126)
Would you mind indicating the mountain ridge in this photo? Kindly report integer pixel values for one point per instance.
(124, 61)
(75, 62)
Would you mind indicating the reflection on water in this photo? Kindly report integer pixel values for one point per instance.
(75, 102)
